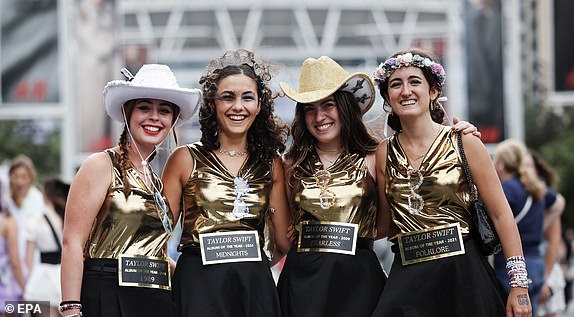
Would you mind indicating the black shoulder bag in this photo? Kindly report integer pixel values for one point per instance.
(482, 224)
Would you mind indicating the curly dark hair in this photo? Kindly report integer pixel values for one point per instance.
(436, 110)
(267, 135)
(355, 138)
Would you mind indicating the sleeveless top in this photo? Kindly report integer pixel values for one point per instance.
(354, 188)
(444, 189)
(209, 195)
(127, 224)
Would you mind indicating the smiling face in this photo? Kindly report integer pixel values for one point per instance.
(322, 121)
(409, 92)
(236, 105)
(151, 120)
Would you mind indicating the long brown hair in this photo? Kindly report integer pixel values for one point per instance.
(56, 191)
(354, 135)
(266, 137)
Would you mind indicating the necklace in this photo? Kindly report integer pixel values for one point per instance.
(330, 161)
(232, 153)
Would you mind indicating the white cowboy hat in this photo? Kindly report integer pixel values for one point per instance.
(321, 77)
(153, 81)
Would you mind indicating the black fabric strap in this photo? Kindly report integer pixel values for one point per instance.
(54, 233)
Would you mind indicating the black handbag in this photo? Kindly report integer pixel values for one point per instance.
(483, 227)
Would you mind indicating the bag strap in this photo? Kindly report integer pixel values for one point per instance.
(466, 169)
(524, 210)
(54, 233)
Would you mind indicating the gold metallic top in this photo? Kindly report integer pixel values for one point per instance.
(127, 224)
(444, 189)
(354, 189)
(209, 196)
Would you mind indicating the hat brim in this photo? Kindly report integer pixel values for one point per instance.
(117, 93)
(359, 84)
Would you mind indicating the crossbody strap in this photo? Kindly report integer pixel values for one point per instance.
(524, 210)
(53, 232)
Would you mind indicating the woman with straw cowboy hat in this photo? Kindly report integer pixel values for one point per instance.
(230, 188)
(332, 269)
(117, 221)
(330, 168)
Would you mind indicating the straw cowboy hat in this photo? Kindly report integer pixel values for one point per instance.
(152, 81)
(321, 77)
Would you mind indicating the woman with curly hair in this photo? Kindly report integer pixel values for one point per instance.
(117, 223)
(229, 187)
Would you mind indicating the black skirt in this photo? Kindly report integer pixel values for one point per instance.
(225, 289)
(317, 284)
(102, 296)
(461, 285)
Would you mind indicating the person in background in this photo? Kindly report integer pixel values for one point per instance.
(11, 272)
(44, 233)
(117, 221)
(423, 193)
(25, 200)
(551, 299)
(230, 186)
(525, 194)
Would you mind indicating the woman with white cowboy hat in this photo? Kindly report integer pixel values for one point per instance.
(425, 200)
(117, 224)
(330, 168)
(230, 189)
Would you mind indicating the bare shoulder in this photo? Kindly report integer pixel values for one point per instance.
(381, 153)
(96, 162)
(181, 154)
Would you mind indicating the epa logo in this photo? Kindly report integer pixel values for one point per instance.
(25, 308)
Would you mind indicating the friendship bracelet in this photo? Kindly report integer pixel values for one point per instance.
(516, 269)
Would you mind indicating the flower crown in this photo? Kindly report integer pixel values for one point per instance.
(388, 67)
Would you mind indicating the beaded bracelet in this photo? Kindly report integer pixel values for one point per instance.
(517, 274)
(70, 306)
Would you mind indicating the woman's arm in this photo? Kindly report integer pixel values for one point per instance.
(554, 211)
(30, 249)
(87, 194)
(175, 175)
(383, 214)
(488, 184)
(281, 218)
(11, 236)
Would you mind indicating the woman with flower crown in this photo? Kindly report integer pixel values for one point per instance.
(117, 223)
(424, 209)
(330, 167)
(230, 188)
